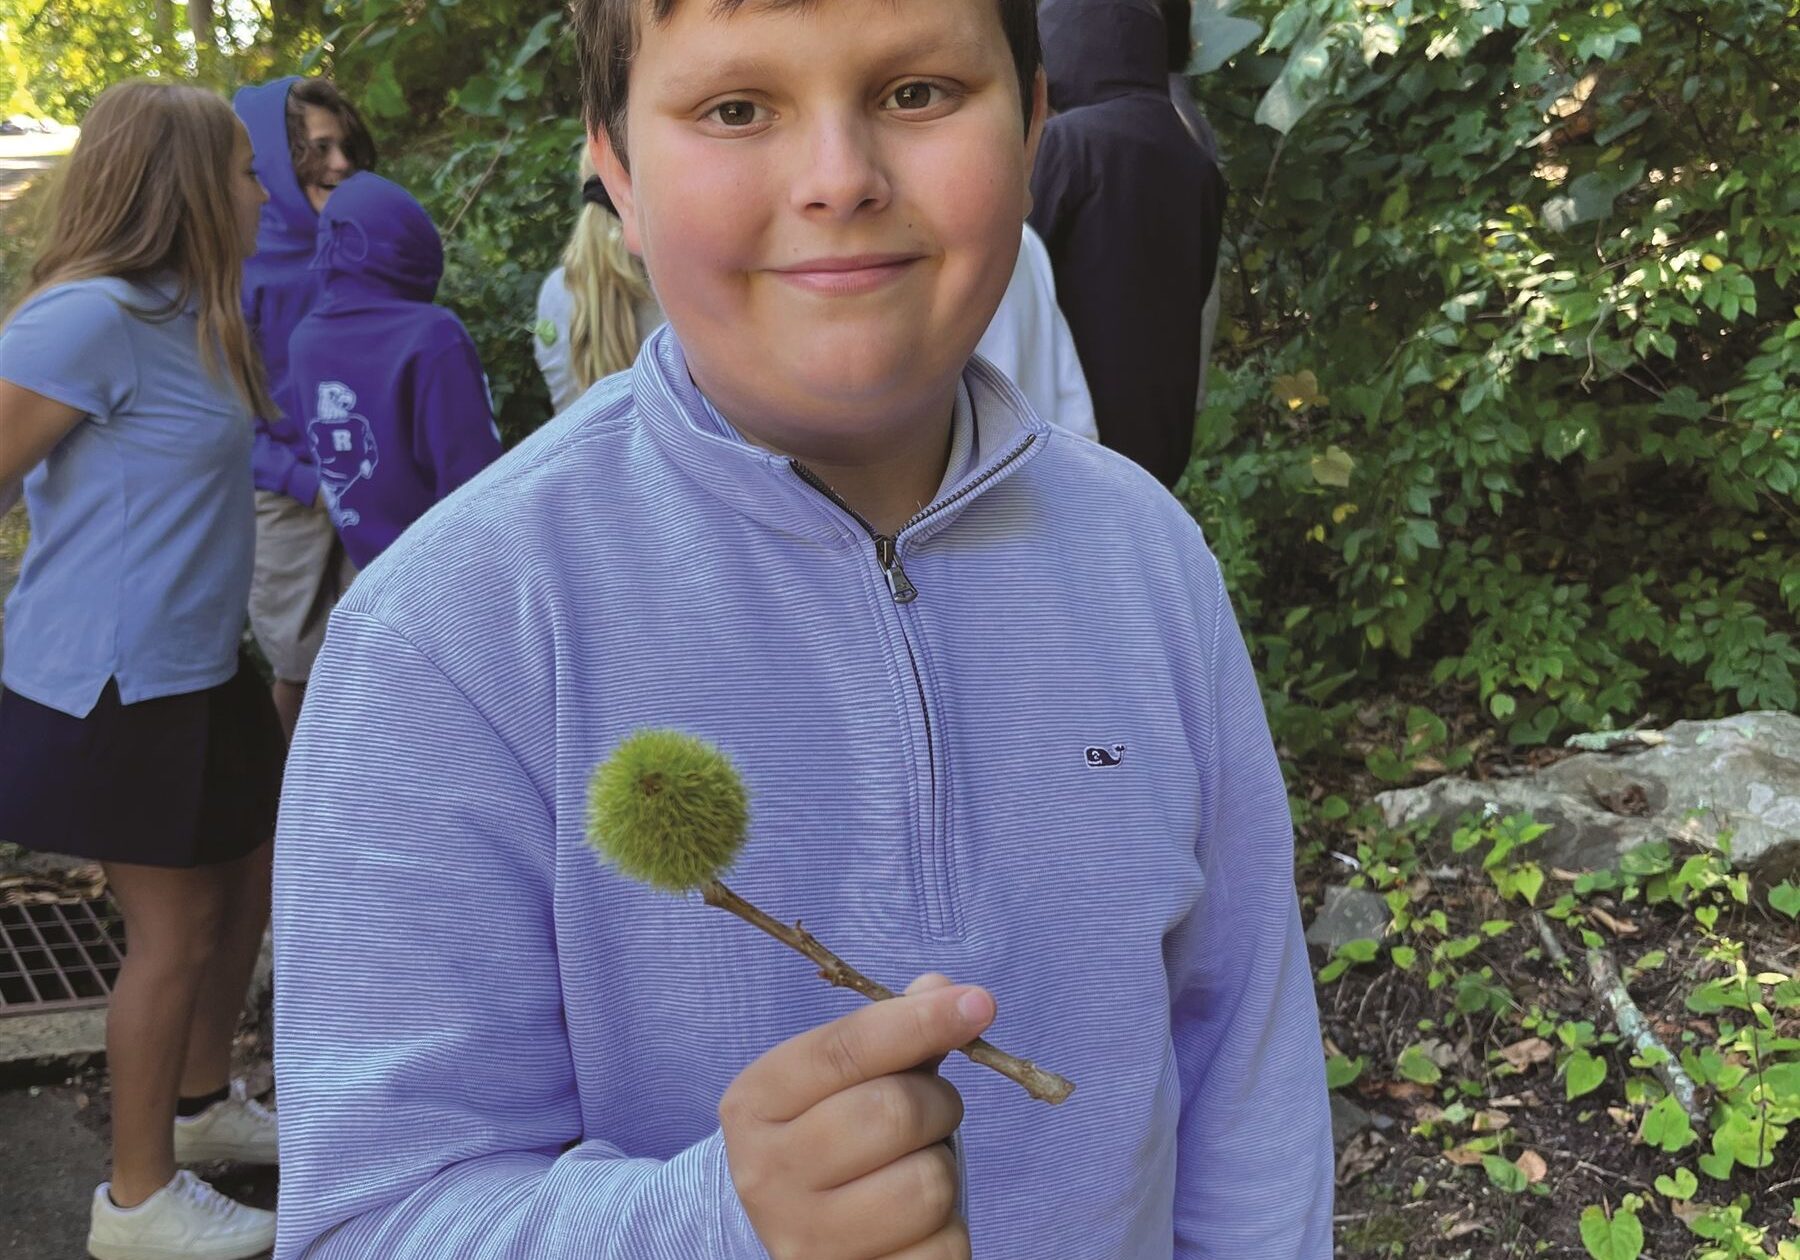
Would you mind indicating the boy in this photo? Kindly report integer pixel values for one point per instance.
(396, 408)
(800, 529)
(308, 139)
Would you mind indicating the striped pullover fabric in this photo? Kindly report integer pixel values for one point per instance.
(1049, 773)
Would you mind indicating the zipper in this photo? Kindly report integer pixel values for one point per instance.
(887, 552)
(940, 912)
(887, 546)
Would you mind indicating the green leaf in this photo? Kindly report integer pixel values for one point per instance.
(1619, 1237)
(1504, 1173)
(1333, 468)
(383, 96)
(539, 36)
(1785, 897)
(1681, 1186)
(1341, 1071)
(1299, 86)
(1718, 1165)
(1218, 37)
(1404, 956)
(1417, 1066)
(1667, 1126)
(1583, 1074)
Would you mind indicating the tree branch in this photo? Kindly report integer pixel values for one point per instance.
(1607, 985)
(1044, 1086)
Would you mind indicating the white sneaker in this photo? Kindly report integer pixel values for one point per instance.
(185, 1220)
(238, 1129)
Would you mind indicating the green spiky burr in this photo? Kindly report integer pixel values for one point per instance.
(670, 810)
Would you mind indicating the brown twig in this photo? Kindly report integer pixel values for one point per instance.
(499, 152)
(1044, 1086)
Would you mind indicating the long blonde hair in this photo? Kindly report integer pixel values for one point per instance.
(147, 191)
(604, 283)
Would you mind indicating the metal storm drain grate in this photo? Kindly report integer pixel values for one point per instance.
(58, 956)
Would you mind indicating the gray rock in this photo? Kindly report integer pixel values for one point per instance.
(1347, 1119)
(1349, 914)
(1702, 779)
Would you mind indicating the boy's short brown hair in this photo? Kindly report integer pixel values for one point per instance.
(323, 94)
(606, 34)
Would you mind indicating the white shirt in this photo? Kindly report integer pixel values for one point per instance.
(1029, 340)
(550, 337)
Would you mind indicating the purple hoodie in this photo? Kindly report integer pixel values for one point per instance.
(279, 289)
(391, 397)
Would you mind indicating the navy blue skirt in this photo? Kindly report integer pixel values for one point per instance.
(179, 781)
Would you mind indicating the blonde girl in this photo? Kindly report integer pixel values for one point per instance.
(596, 309)
(131, 731)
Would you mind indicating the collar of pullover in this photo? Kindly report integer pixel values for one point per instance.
(764, 484)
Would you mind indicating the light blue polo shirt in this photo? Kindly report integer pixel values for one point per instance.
(142, 518)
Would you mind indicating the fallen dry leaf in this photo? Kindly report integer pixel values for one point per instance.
(1621, 1117)
(1618, 927)
(1461, 1228)
(1463, 1157)
(1507, 1100)
(1522, 1054)
(1363, 1154)
(1533, 1166)
(1491, 1121)
(1687, 1211)
(1567, 877)
(1404, 1091)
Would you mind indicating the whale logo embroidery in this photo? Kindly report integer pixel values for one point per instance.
(1100, 757)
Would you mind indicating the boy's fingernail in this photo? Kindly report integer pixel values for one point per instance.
(975, 1006)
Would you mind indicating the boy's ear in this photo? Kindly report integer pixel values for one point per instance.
(617, 179)
(1034, 131)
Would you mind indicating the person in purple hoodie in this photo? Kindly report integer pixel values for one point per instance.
(308, 139)
(392, 399)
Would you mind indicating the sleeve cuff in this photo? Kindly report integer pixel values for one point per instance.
(303, 484)
(737, 1238)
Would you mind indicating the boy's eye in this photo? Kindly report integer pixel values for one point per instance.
(734, 113)
(911, 96)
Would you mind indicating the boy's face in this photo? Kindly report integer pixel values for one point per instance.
(828, 198)
(327, 162)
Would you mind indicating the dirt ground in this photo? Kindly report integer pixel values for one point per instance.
(1401, 1192)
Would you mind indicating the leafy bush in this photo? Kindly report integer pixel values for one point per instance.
(1508, 397)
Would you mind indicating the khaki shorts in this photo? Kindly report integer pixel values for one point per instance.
(301, 570)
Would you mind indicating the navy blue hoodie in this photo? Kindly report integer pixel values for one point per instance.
(394, 405)
(279, 288)
(1130, 205)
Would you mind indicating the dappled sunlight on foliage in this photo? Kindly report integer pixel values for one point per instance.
(1506, 397)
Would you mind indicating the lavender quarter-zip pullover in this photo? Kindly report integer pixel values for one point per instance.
(1020, 743)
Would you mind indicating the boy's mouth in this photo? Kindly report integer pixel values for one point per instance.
(846, 274)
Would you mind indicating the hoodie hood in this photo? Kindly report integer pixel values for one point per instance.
(288, 222)
(1096, 50)
(374, 237)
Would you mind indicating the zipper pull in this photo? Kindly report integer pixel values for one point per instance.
(888, 554)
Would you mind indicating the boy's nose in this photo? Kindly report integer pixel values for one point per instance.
(842, 171)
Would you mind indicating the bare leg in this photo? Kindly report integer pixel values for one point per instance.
(172, 924)
(288, 696)
(244, 886)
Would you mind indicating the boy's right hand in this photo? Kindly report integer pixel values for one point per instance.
(835, 1138)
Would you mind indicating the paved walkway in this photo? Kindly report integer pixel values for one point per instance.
(53, 1152)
